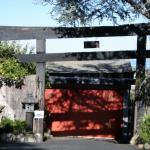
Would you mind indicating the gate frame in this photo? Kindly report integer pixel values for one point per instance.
(43, 33)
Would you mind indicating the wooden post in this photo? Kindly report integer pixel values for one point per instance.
(125, 129)
(140, 75)
(40, 72)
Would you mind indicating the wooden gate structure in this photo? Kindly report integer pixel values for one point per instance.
(43, 33)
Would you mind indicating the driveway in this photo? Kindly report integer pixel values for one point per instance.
(68, 144)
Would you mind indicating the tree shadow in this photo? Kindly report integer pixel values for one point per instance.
(123, 30)
(90, 112)
(103, 66)
(84, 112)
(90, 74)
(21, 146)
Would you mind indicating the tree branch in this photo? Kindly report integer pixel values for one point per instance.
(140, 7)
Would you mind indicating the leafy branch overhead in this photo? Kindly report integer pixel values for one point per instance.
(12, 71)
(75, 12)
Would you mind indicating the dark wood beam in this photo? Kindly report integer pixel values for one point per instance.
(78, 56)
(92, 75)
(140, 75)
(23, 33)
(147, 54)
(90, 87)
(90, 83)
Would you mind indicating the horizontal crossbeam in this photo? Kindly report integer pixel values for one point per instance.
(23, 33)
(81, 56)
(89, 83)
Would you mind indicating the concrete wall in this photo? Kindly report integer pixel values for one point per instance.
(11, 98)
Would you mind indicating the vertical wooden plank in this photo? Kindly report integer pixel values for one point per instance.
(40, 73)
(140, 75)
(125, 129)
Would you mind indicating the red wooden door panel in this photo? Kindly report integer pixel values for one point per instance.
(95, 113)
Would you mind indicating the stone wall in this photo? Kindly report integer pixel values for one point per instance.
(11, 98)
(141, 109)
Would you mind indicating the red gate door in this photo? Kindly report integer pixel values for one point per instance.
(94, 113)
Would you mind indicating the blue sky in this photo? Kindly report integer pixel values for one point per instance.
(27, 13)
(24, 13)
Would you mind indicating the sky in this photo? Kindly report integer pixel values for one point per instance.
(24, 13)
(29, 13)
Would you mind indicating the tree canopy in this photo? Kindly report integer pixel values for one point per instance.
(12, 71)
(76, 12)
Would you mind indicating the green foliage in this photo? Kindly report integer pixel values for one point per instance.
(11, 49)
(12, 71)
(82, 12)
(19, 127)
(6, 126)
(144, 135)
(10, 126)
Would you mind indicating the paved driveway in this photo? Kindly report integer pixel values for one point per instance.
(68, 144)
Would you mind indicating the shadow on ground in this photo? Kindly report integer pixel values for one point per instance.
(68, 144)
(19, 146)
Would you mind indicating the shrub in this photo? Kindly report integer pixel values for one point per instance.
(12, 71)
(10, 126)
(144, 134)
(19, 127)
(6, 125)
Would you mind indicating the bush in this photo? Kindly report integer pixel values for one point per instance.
(19, 127)
(12, 71)
(6, 126)
(144, 134)
(10, 126)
